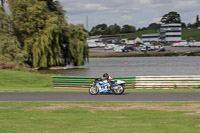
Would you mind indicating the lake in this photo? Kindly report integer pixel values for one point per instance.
(135, 66)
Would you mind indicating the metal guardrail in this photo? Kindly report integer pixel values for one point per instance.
(167, 82)
(139, 82)
(85, 82)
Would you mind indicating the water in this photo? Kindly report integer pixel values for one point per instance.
(135, 66)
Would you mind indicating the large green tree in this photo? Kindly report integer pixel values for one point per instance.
(171, 17)
(77, 45)
(39, 31)
(10, 51)
(42, 31)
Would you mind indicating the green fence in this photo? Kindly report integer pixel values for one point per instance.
(85, 82)
(138, 82)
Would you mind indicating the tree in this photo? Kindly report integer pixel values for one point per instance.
(128, 29)
(171, 17)
(39, 31)
(189, 25)
(113, 29)
(77, 45)
(101, 26)
(154, 26)
(43, 32)
(183, 25)
(197, 19)
(10, 51)
(98, 30)
(195, 24)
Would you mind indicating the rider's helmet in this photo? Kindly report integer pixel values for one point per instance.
(105, 75)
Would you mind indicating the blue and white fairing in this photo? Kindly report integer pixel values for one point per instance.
(104, 86)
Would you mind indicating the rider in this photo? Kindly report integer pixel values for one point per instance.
(108, 78)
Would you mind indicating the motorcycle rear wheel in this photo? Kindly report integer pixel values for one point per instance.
(93, 90)
(118, 90)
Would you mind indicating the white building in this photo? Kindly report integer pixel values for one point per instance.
(168, 33)
(150, 37)
(92, 42)
(132, 40)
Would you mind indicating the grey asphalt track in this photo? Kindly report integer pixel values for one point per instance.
(85, 96)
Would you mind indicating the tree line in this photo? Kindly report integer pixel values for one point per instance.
(171, 17)
(36, 33)
(103, 29)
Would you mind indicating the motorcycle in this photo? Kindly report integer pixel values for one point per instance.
(103, 86)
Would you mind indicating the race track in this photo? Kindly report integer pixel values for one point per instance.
(85, 96)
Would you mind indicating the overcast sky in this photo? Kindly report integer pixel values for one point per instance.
(139, 13)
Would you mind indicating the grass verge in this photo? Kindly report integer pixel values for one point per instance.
(197, 53)
(139, 33)
(193, 34)
(109, 117)
(26, 81)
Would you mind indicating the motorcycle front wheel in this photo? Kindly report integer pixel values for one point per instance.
(93, 90)
(118, 90)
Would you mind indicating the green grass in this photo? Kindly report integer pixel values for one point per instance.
(20, 78)
(23, 80)
(191, 34)
(109, 117)
(139, 33)
(27, 81)
(141, 54)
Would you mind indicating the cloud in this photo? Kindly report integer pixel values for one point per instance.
(75, 8)
(113, 6)
(189, 5)
(135, 12)
(126, 17)
(156, 20)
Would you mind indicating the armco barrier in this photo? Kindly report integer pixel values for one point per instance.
(85, 82)
(139, 82)
(167, 82)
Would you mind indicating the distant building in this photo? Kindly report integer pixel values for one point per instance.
(150, 37)
(132, 40)
(168, 33)
(92, 42)
(102, 40)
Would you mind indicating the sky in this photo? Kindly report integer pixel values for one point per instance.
(139, 13)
